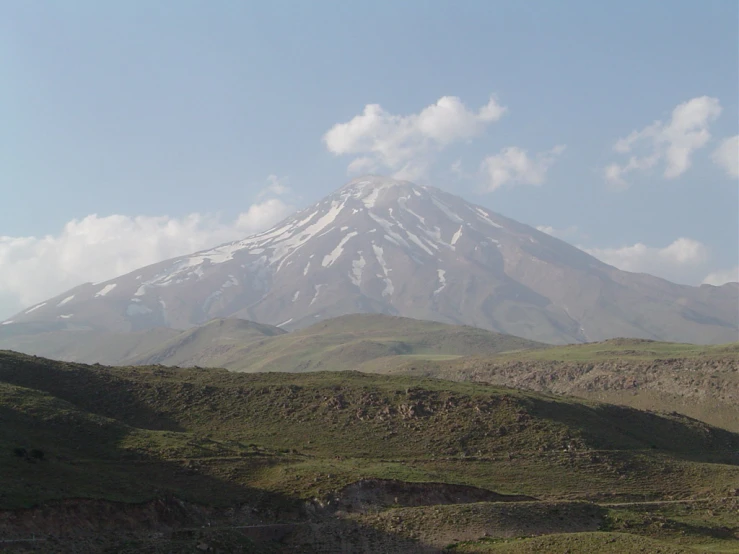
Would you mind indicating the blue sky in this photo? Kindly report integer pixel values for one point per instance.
(172, 116)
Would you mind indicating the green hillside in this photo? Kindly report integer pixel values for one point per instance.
(274, 441)
(632, 349)
(698, 381)
(207, 344)
(364, 342)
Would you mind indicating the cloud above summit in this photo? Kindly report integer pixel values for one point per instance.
(380, 141)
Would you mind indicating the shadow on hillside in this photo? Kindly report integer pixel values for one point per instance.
(98, 391)
(609, 426)
(180, 510)
(89, 494)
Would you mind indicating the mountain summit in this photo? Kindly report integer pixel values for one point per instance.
(381, 245)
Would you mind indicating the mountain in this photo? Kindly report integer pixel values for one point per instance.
(379, 245)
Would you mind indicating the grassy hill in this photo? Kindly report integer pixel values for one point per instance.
(632, 349)
(698, 381)
(207, 344)
(187, 446)
(363, 342)
(369, 342)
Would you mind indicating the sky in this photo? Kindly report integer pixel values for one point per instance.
(135, 131)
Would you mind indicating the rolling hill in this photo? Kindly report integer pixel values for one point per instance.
(360, 342)
(352, 342)
(126, 459)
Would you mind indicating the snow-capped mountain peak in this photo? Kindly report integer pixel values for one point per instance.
(382, 245)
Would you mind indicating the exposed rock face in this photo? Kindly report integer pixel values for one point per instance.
(379, 245)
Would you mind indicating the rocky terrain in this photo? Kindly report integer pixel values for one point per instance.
(700, 383)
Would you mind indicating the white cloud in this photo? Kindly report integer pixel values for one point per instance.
(672, 144)
(722, 277)
(404, 144)
(275, 186)
(614, 172)
(727, 156)
(99, 248)
(513, 165)
(683, 261)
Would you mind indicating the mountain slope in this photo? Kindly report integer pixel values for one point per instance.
(383, 246)
(82, 345)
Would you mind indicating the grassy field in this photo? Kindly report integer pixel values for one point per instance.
(690, 527)
(571, 543)
(635, 349)
(291, 446)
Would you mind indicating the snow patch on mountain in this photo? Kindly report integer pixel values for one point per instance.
(485, 216)
(380, 256)
(317, 289)
(440, 273)
(457, 235)
(35, 308)
(403, 203)
(369, 200)
(447, 210)
(65, 301)
(420, 243)
(357, 269)
(105, 290)
(329, 259)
